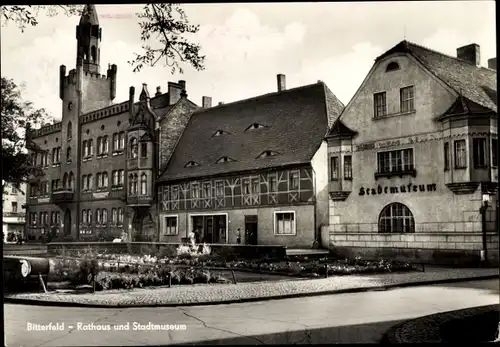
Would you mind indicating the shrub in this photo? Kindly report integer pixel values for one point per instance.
(87, 269)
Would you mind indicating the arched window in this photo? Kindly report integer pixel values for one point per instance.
(121, 136)
(89, 182)
(136, 183)
(70, 132)
(84, 216)
(65, 180)
(133, 147)
(54, 155)
(71, 180)
(93, 54)
(90, 147)
(68, 154)
(144, 184)
(392, 66)
(98, 216)
(114, 216)
(396, 218)
(105, 144)
(105, 180)
(104, 216)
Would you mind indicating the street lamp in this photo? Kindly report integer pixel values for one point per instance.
(482, 210)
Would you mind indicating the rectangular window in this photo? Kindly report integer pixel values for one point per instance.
(395, 161)
(407, 103)
(380, 104)
(144, 150)
(494, 152)
(272, 183)
(219, 188)
(116, 142)
(171, 225)
(114, 216)
(348, 167)
(284, 223)
(84, 183)
(479, 152)
(246, 186)
(255, 186)
(14, 206)
(195, 191)
(175, 192)
(207, 192)
(334, 168)
(446, 156)
(293, 180)
(121, 177)
(122, 140)
(460, 154)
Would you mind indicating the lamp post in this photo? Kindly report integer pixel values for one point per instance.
(482, 210)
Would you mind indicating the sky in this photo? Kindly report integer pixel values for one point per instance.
(247, 45)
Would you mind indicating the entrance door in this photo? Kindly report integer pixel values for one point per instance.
(208, 230)
(251, 235)
(67, 222)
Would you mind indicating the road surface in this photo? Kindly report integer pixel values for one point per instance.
(340, 318)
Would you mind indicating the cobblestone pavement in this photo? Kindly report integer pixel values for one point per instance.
(428, 328)
(228, 293)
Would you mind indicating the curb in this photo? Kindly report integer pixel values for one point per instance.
(36, 302)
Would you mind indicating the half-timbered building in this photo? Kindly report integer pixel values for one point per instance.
(253, 170)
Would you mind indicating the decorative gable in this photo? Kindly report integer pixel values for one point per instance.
(255, 126)
(224, 160)
(220, 133)
(267, 154)
(191, 164)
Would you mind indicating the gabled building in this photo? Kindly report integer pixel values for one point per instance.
(255, 168)
(414, 156)
(13, 209)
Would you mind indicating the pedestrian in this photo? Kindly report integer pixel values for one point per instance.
(238, 238)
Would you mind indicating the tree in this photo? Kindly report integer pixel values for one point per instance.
(17, 115)
(165, 30)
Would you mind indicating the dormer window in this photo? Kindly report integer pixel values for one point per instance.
(191, 164)
(255, 126)
(392, 66)
(224, 160)
(267, 154)
(220, 133)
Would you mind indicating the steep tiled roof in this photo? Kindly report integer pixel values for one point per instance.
(477, 84)
(340, 129)
(295, 122)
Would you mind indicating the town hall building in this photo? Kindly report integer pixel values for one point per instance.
(154, 169)
(413, 159)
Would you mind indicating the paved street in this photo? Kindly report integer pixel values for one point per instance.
(341, 318)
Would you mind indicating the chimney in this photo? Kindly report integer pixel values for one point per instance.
(206, 102)
(281, 83)
(158, 91)
(470, 53)
(492, 64)
(182, 84)
(174, 92)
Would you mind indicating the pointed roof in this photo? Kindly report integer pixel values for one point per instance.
(89, 15)
(464, 106)
(296, 120)
(477, 84)
(340, 129)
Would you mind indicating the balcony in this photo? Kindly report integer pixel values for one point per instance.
(62, 196)
(141, 200)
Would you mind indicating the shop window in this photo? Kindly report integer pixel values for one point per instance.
(396, 218)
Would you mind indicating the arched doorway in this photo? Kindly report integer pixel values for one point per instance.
(67, 222)
(143, 226)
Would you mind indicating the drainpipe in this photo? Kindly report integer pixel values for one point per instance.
(317, 238)
(482, 210)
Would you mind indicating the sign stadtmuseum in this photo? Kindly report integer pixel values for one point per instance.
(404, 188)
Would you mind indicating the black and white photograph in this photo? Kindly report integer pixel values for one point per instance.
(249, 173)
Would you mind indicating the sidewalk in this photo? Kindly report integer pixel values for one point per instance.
(187, 295)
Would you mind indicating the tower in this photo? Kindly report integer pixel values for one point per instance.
(82, 90)
(88, 37)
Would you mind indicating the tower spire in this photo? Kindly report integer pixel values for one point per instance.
(88, 36)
